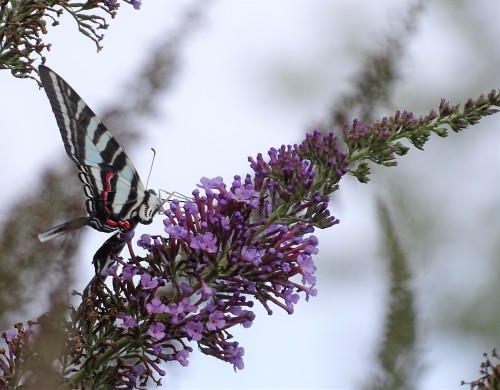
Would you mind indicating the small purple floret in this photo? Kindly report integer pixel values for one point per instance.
(204, 242)
(156, 306)
(156, 330)
(148, 282)
(194, 330)
(216, 321)
(128, 322)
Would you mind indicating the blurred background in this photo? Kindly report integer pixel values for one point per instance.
(408, 282)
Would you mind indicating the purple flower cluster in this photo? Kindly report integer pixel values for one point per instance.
(228, 247)
(324, 150)
(225, 244)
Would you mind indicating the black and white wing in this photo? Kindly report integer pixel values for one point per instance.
(117, 199)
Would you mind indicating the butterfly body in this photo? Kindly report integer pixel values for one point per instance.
(116, 197)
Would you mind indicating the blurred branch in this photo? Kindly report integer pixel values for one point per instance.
(28, 267)
(154, 78)
(397, 352)
(374, 83)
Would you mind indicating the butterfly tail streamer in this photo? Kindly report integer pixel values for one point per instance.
(64, 228)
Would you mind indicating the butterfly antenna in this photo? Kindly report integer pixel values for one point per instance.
(151, 167)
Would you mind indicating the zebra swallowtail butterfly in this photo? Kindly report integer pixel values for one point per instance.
(117, 199)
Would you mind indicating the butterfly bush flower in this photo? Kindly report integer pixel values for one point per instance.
(156, 306)
(157, 330)
(230, 246)
(128, 322)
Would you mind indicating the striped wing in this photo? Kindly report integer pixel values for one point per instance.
(111, 182)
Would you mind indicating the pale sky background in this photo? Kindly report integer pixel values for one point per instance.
(257, 74)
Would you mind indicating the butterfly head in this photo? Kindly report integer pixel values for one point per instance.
(151, 205)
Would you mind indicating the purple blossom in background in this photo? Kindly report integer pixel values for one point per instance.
(246, 316)
(186, 307)
(204, 242)
(10, 334)
(145, 241)
(138, 369)
(194, 330)
(182, 356)
(235, 357)
(157, 349)
(216, 183)
(186, 290)
(173, 309)
(175, 231)
(157, 330)
(246, 195)
(306, 264)
(156, 306)
(148, 282)
(250, 255)
(291, 299)
(135, 372)
(128, 322)
(206, 291)
(216, 321)
(128, 272)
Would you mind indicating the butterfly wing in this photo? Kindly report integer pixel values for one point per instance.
(111, 182)
(110, 194)
(104, 257)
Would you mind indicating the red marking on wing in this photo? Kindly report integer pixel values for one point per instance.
(120, 224)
